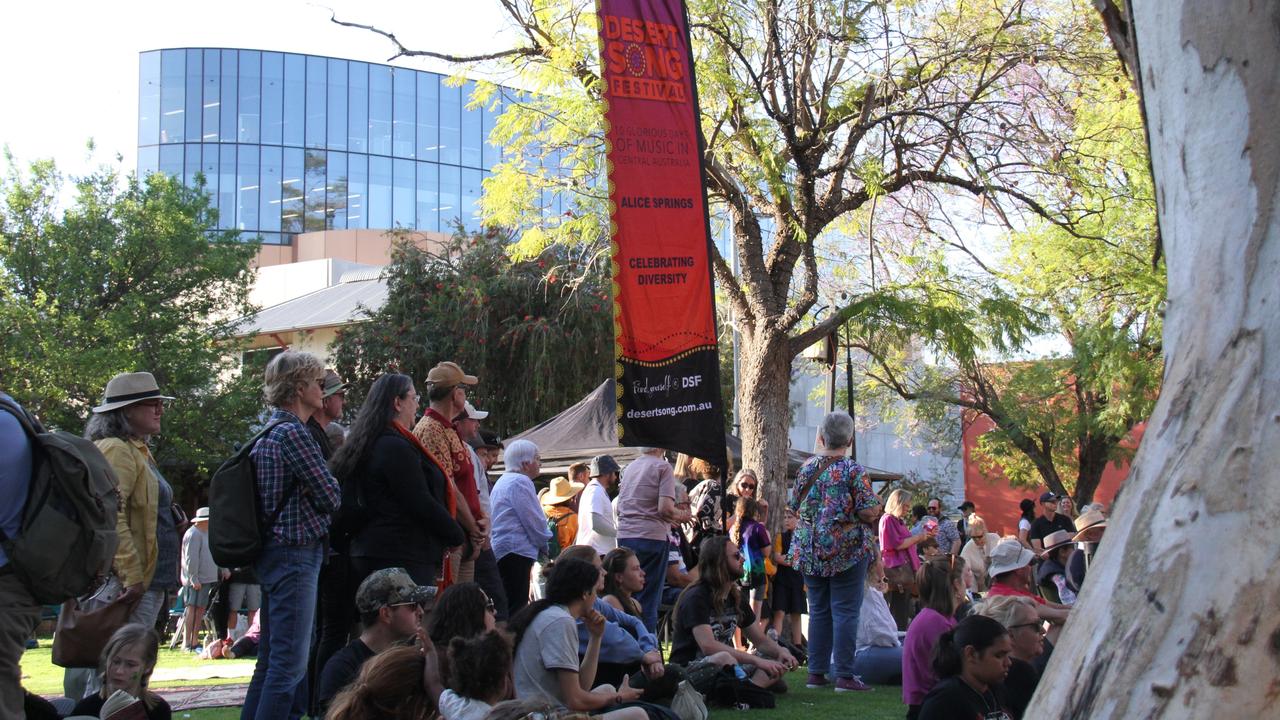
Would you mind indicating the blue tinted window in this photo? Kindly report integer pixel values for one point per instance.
(171, 160)
(295, 83)
(314, 192)
(173, 79)
(191, 164)
(450, 185)
(148, 160)
(450, 121)
(195, 95)
(212, 95)
(272, 98)
(336, 193)
(269, 207)
(428, 196)
(291, 191)
(470, 199)
(247, 188)
(379, 192)
(357, 191)
(226, 187)
(492, 153)
(250, 105)
(209, 168)
(227, 131)
(380, 109)
(404, 129)
(402, 196)
(149, 98)
(316, 102)
(472, 131)
(337, 113)
(358, 107)
(428, 117)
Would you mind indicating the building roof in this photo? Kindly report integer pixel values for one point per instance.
(340, 304)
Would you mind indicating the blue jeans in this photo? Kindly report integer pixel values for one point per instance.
(289, 576)
(652, 555)
(878, 665)
(835, 600)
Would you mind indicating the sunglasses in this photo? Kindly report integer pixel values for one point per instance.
(745, 486)
(406, 604)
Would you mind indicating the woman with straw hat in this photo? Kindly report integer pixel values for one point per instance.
(558, 504)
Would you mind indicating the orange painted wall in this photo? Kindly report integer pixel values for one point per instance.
(997, 502)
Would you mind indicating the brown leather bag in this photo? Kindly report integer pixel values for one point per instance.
(82, 633)
(902, 579)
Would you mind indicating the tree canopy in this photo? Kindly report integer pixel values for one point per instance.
(130, 276)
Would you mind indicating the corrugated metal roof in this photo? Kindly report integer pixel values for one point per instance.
(339, 304)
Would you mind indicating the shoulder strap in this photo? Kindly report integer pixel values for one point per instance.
(27, 422)
(293, 487)
(817, 473)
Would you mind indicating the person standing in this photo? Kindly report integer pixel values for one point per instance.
(646, 510)
(596, 525)
(901, 560)
(487, 577)
(520, 531)
(559, 504)
(333, 400)
(948, 535)
(966, 511)
(447, 392)
(19, 612)
(294, 487)
(199, 575)
(832, 546)
(1049, 521)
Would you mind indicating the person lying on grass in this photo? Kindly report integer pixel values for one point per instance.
(710, 610)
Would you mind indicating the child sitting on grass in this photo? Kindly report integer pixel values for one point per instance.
(479, 676)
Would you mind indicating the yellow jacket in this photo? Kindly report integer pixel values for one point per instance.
(135, 560)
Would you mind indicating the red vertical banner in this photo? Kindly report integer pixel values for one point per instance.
(668, 367)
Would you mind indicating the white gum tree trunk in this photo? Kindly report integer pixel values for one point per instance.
(1180, 615)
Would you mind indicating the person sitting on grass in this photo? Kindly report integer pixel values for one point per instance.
(247, 645)
(627, 646)
(546, 664)
(390, 607)
(479, 676)
(711, 609)
(394, 685)
(623, 577)
(941, 583)
(464, 611)
(1026, 633)
(878, 660)
(972, 660)
(126, 665)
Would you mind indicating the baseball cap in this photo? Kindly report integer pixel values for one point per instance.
(390, 586)
(603, 465)
(473, 413)
(1048, 497)
(448, 373)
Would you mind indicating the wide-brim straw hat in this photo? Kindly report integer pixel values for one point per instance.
(129, 388)
(1008, 555)
(561, 489)
(1055, 540)
(1088, 521)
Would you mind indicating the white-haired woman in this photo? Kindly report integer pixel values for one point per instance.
(832, 546)
(297, 495)
(977, 551)
(519, 532)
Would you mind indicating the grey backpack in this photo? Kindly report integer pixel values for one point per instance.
(68, 536)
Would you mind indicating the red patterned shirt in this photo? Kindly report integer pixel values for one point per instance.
(438, 435)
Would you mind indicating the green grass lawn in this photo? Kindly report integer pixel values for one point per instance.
(42, 677)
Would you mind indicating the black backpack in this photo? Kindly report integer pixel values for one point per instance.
(68, 535)
(236, 530)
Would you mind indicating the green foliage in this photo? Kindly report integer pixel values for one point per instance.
(536, 332)
(129, 277)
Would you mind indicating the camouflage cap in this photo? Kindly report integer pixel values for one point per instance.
(390, 586)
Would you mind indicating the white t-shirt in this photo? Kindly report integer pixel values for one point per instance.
(482, 482)
(1024, 524)
(595, 500)
(455, 707)
(549, 644)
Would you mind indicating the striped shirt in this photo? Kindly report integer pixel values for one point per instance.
(286, 456)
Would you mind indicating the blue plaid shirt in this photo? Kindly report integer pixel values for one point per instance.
(285, 456)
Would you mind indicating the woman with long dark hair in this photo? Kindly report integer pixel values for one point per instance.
(941, 582)
(1026, 516)
(546, 662)
(394, 487)
(971, 659)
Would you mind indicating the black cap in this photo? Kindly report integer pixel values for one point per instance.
(966, 505)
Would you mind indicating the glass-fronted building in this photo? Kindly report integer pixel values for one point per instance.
(292, 143)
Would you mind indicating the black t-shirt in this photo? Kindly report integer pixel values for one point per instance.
(1041, 527)
(1018, 687)
(953, 699)
(92, 706)
(695, 609)
(340, 670)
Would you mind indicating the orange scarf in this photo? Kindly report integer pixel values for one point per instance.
(451, 501)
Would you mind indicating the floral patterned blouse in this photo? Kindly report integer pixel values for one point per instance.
(830, 538)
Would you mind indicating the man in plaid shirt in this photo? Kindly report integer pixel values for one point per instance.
(297, 489)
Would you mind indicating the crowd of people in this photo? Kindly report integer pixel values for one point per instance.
(395, 580)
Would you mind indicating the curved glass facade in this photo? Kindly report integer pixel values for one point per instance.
(294, 143)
